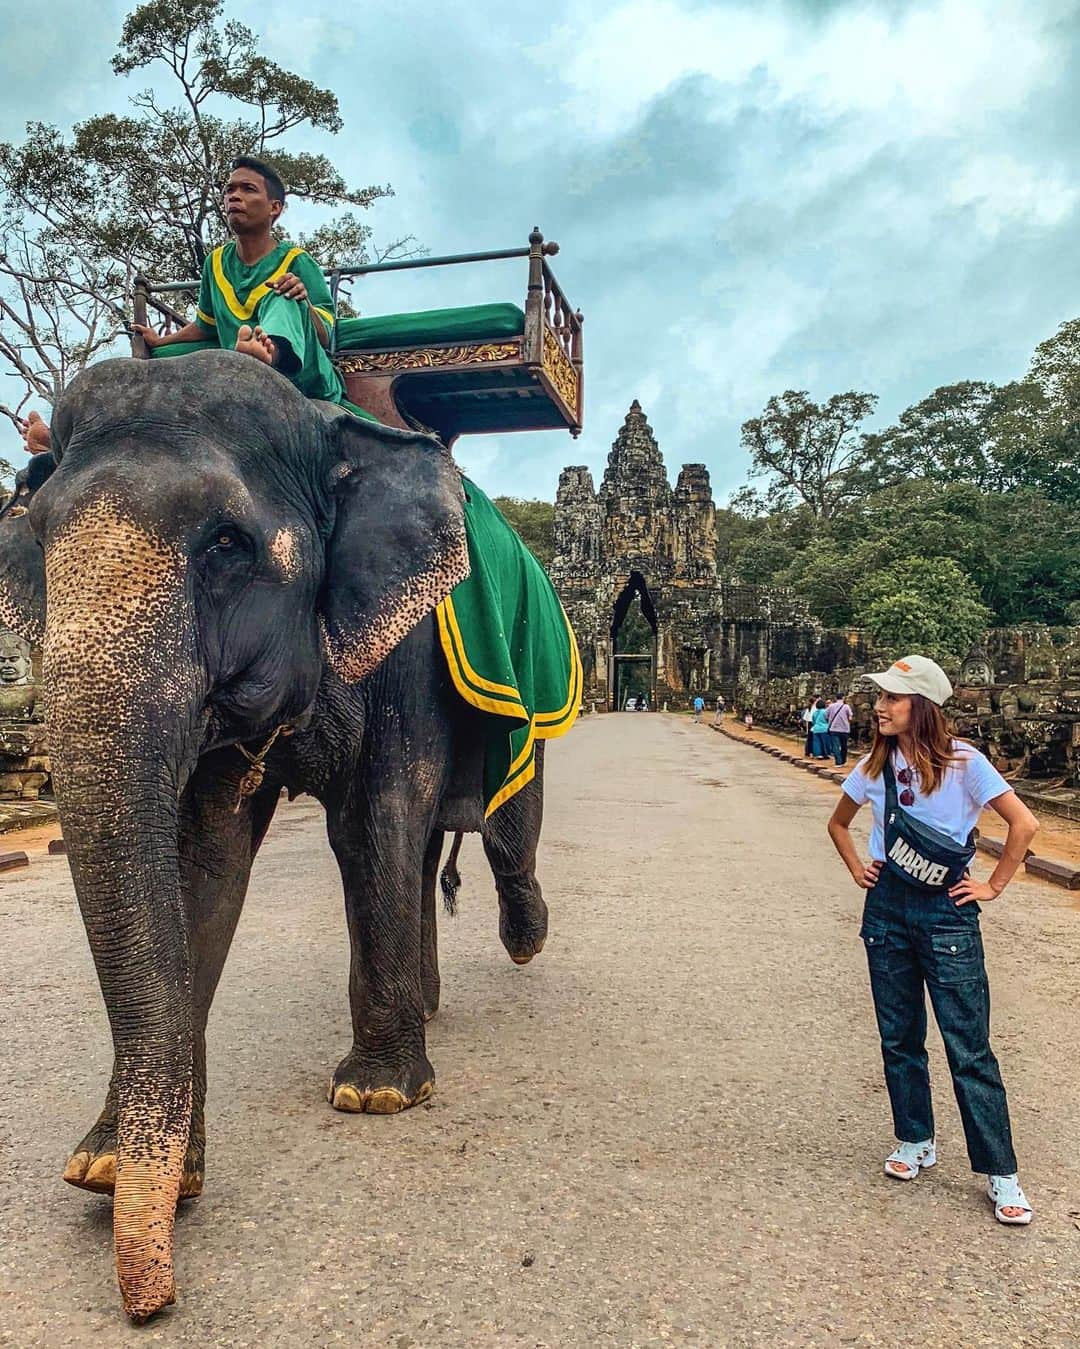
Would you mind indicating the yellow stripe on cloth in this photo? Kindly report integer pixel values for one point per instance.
(205, 320)
(324, 314)
(247, 308)
(551, 720)
(506, 690)
(464, 676)
(547, 727)
(514, 785)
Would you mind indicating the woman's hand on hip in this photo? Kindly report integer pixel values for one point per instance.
(970, 889)
(869, 876)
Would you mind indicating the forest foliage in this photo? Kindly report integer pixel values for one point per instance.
(965, 513)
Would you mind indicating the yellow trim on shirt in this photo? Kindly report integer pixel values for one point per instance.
(247, 308)
(205, 320)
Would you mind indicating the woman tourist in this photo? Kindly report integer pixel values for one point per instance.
(807, 719)
(921, 920)
(819, 728)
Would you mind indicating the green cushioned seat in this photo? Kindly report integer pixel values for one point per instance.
(183, 348)
(472, 323)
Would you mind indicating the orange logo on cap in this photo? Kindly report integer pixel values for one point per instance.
(902, 665)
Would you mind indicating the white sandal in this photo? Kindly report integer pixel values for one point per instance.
(914, 1157)
(1005, 1192)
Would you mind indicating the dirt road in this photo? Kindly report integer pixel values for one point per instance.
(667, 1130)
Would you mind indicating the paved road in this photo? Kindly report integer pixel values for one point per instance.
(668, 1129)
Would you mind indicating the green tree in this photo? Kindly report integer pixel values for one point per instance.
(921, 604)
(534, 522)
(973, 431)
(1055, 367)
(81, 215)
(808, 452)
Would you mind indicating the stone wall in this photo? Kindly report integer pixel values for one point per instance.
(24, 762)
(1017, 698)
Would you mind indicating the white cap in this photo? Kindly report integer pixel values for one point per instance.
(915, 674)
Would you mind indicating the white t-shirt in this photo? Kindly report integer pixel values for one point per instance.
(954, 808)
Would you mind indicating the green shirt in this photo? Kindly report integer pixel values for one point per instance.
(232, 293)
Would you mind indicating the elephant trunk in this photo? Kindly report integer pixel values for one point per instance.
(119, 693)
(121, 842)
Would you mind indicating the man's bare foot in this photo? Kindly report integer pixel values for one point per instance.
(36, 435)
(256, 344)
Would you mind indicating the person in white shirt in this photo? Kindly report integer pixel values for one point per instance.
(918, 938)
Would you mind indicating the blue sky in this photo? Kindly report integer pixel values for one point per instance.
(749, 197)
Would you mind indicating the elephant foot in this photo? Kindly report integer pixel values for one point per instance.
(362, 1087)
(523, 929)
(92, 1166)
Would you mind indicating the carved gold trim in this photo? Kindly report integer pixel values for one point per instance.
(559, 369)
(426, 358)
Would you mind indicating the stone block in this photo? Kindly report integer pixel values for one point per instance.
(57, 847)
(11, 861)
(1056, 873)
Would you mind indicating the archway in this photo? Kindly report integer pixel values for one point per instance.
(633, 646)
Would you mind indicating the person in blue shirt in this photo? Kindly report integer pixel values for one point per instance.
(699, 707)
(819, 729)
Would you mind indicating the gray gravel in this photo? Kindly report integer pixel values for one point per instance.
(668, 1129)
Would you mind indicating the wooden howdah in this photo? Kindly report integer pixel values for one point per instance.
(532, 382)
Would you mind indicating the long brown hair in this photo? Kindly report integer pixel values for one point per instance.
(931, 745)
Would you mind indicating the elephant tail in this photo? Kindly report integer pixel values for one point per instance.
(450, 879)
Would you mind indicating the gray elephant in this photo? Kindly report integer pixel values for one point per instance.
(225, 561)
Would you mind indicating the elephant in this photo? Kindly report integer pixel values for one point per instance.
(234, 587)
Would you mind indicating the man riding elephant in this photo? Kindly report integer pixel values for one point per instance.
(238, 590)
(259, 296)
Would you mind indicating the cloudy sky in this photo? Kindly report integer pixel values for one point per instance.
(750, 197)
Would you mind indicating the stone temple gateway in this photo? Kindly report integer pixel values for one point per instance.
(635, 568)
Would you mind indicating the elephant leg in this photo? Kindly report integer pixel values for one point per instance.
(429, 930)
(510, 837)
(380, 830)
(217, 848)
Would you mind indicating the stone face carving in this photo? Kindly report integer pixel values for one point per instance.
(706, 626)
(24, 764)
(975, 669)
(18, 689)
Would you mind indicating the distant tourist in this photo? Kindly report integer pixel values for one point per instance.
(807, 718)
(921, 919)
(720, 706)
(748, 721)
(839, 718)
(819, 727)
(699, 707)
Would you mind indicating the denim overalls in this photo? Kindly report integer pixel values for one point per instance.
(913, 938)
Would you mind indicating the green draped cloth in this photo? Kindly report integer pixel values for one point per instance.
(510, 650)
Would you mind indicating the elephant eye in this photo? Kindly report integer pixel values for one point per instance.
(226, 540)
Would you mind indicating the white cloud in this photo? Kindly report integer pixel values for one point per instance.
(932, 68)
(1002, 190)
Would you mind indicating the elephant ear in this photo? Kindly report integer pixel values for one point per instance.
(22, 563)
(398, 542)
